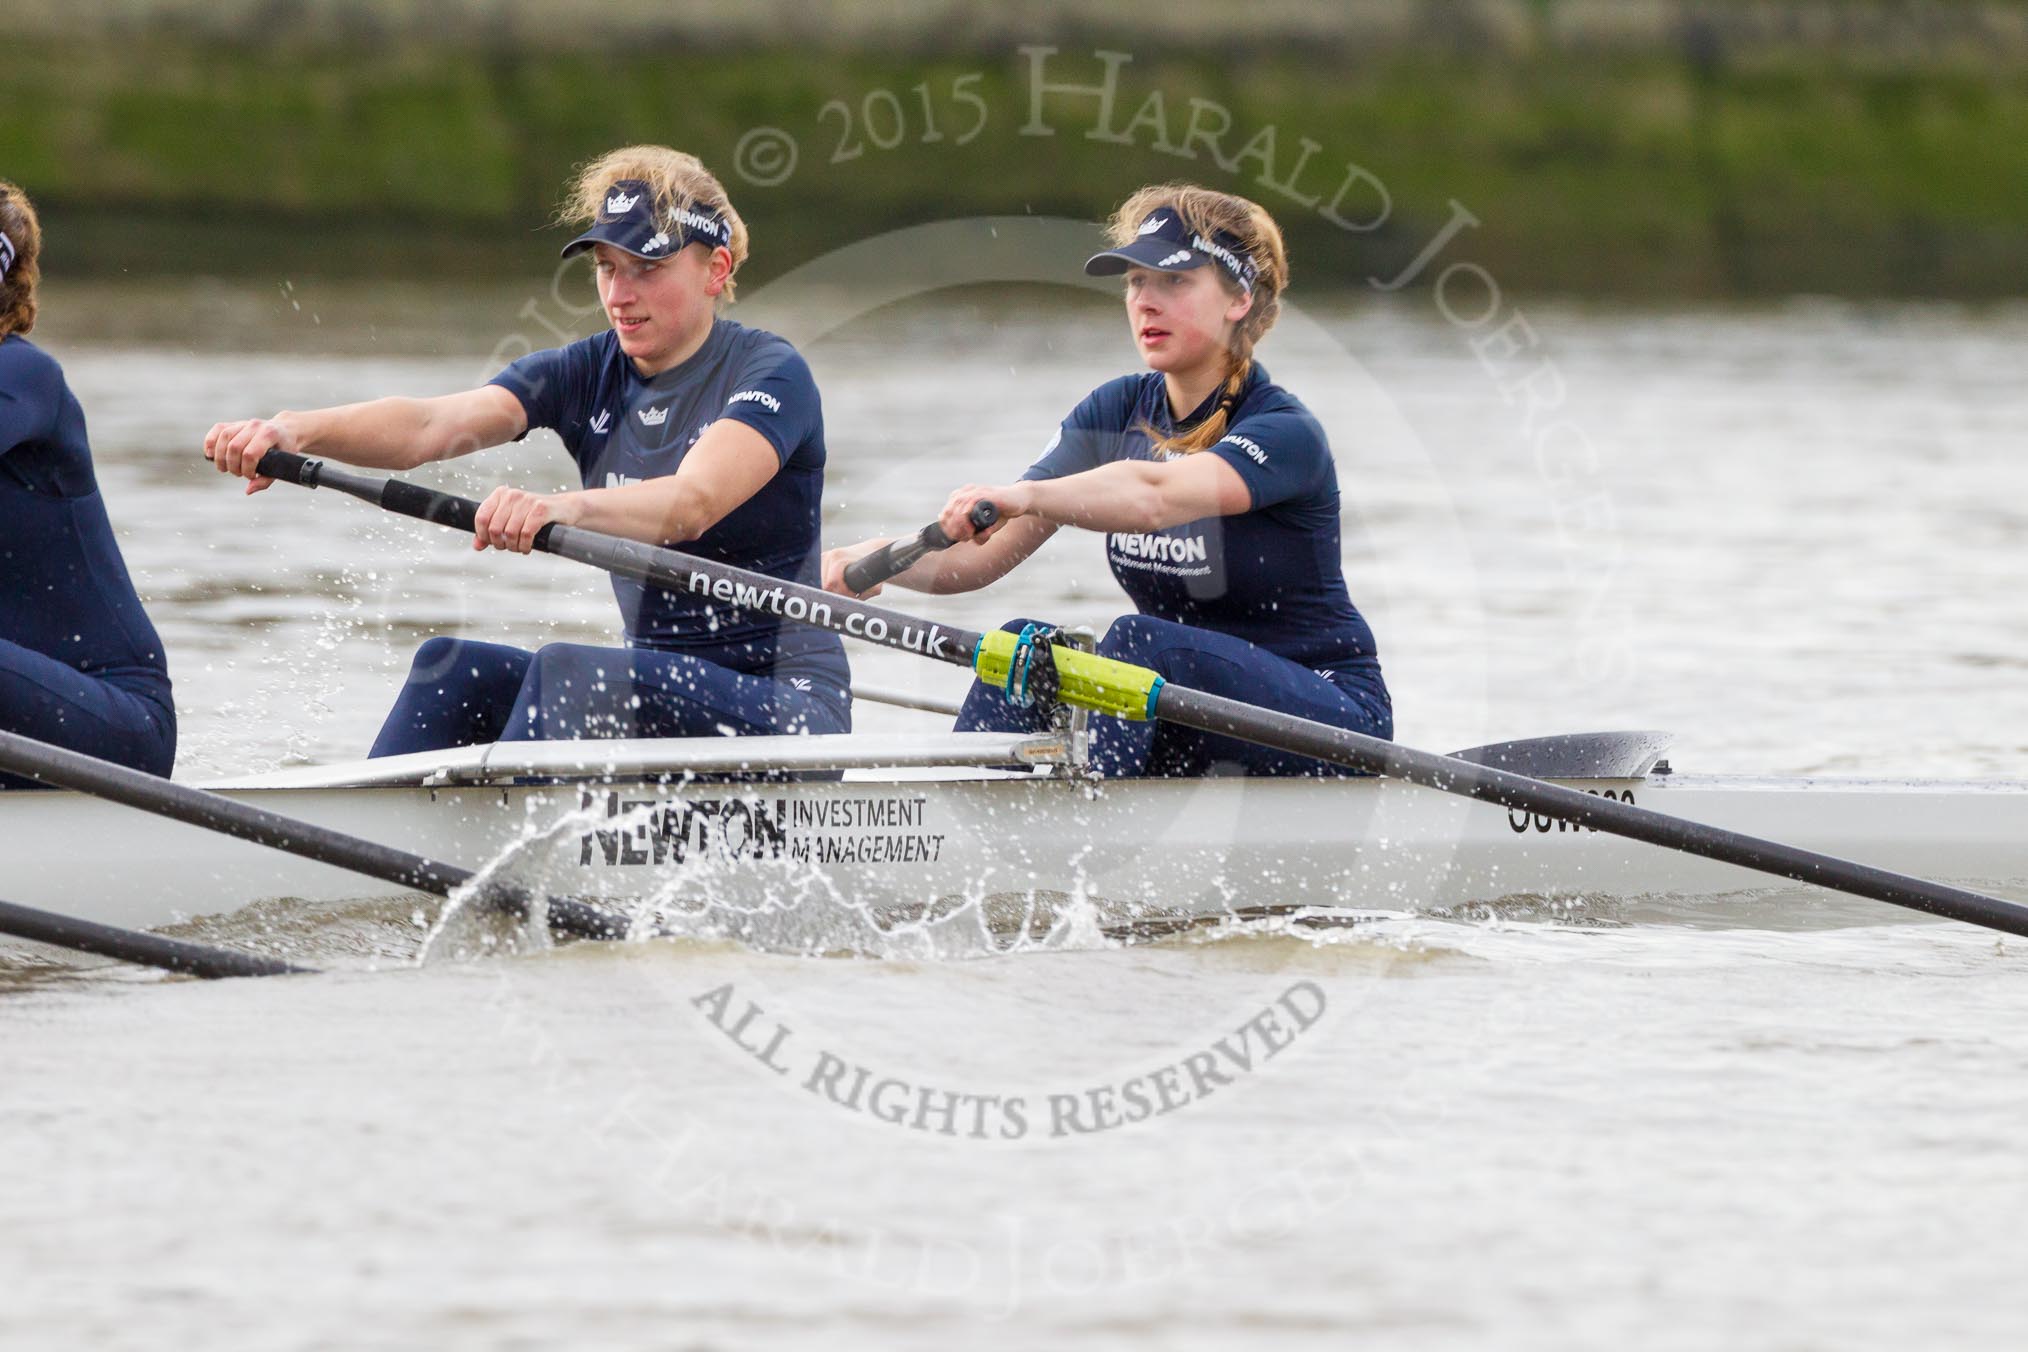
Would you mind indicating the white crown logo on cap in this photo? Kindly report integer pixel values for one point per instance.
(1153, 223)
(619, 203)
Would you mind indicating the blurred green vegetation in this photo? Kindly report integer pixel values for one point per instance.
(1681, 167)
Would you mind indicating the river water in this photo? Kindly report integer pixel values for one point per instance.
(1789, 534)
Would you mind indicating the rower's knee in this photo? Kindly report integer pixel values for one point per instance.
(576, 690)
(462, 662)
(575, 666)
(436, 657)
(1140, 638)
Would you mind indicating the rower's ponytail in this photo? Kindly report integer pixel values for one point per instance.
(1219, 421)
(1204, 211)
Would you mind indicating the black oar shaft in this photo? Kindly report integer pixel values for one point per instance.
(66, 769)
(664, 568)
(1340, 746)
(149, 950)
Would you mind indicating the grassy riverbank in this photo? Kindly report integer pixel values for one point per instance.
(1688, 165)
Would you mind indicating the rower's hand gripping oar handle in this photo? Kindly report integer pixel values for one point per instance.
(290, 467)
(897, 556)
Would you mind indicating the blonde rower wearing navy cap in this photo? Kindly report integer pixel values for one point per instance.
(687, 428)
(1217, 495)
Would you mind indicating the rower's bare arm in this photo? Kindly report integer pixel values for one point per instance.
(942, 572)
(1127, 495)
(729, 464)
(394, 433)
(979, 565)
(1139, 495)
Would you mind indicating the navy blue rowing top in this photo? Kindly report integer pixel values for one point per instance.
(1271, 575)
(64, 589)
(621, 429)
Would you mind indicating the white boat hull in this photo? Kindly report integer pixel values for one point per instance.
(897, 846)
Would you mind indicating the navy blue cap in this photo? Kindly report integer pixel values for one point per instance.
(1166, 244)
(627, 220)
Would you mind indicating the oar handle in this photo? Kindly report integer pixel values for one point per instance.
(290, 467)
(425, 504)
(898, 556)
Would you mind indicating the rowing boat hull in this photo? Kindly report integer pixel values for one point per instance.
(894, 848)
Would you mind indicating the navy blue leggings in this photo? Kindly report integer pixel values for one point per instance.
(1350, 696)
(461, 692)
(54, 702)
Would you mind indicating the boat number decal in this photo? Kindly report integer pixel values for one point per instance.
(1520, 822)
(881, 829)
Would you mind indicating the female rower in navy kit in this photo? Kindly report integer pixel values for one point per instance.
(80, 665)
(1217, 493)
(687, 429)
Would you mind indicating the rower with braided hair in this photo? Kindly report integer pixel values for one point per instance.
(1217, 493)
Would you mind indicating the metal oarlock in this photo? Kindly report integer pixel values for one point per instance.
(1033, 679)
(1031, 671)
(1074, 720)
